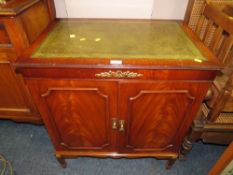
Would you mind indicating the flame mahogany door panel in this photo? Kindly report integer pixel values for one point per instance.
(78, 114)
(155, 115)
(150, 116)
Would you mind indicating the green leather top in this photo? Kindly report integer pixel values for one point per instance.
(118, 39)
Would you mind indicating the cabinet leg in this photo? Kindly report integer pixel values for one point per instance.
(169, 163)
(62, 162)
(187, 145)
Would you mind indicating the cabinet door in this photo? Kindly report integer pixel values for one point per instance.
(78, 114)
(156, 115)
(15, 101)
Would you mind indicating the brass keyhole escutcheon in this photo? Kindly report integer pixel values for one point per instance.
(114, 123)
(122, 125)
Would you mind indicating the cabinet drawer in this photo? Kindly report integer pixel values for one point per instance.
(114, 73)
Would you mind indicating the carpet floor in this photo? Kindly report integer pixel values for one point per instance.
(30, 151)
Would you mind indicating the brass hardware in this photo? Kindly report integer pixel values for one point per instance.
(114, 123)
(122, 125)
(63, 144)
(3, 1)
(118, 74)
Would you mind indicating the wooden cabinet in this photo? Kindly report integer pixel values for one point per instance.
(128, 107)
(20, 24)
(117, 117)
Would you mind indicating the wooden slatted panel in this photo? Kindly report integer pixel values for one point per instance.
(225, 49)
(215, 30)
(197, 9)
(217, 40)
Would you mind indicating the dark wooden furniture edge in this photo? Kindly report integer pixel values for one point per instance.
(19, 8)
(223, 161)
(198, 127)
(188, 11)
(60, 155)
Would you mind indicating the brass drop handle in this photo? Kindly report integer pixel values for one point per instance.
(114, 123)
(122, 125)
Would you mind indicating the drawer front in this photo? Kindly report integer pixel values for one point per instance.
(114, 73)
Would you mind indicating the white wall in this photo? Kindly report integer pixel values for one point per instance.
(169, 9)
(134, 9)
